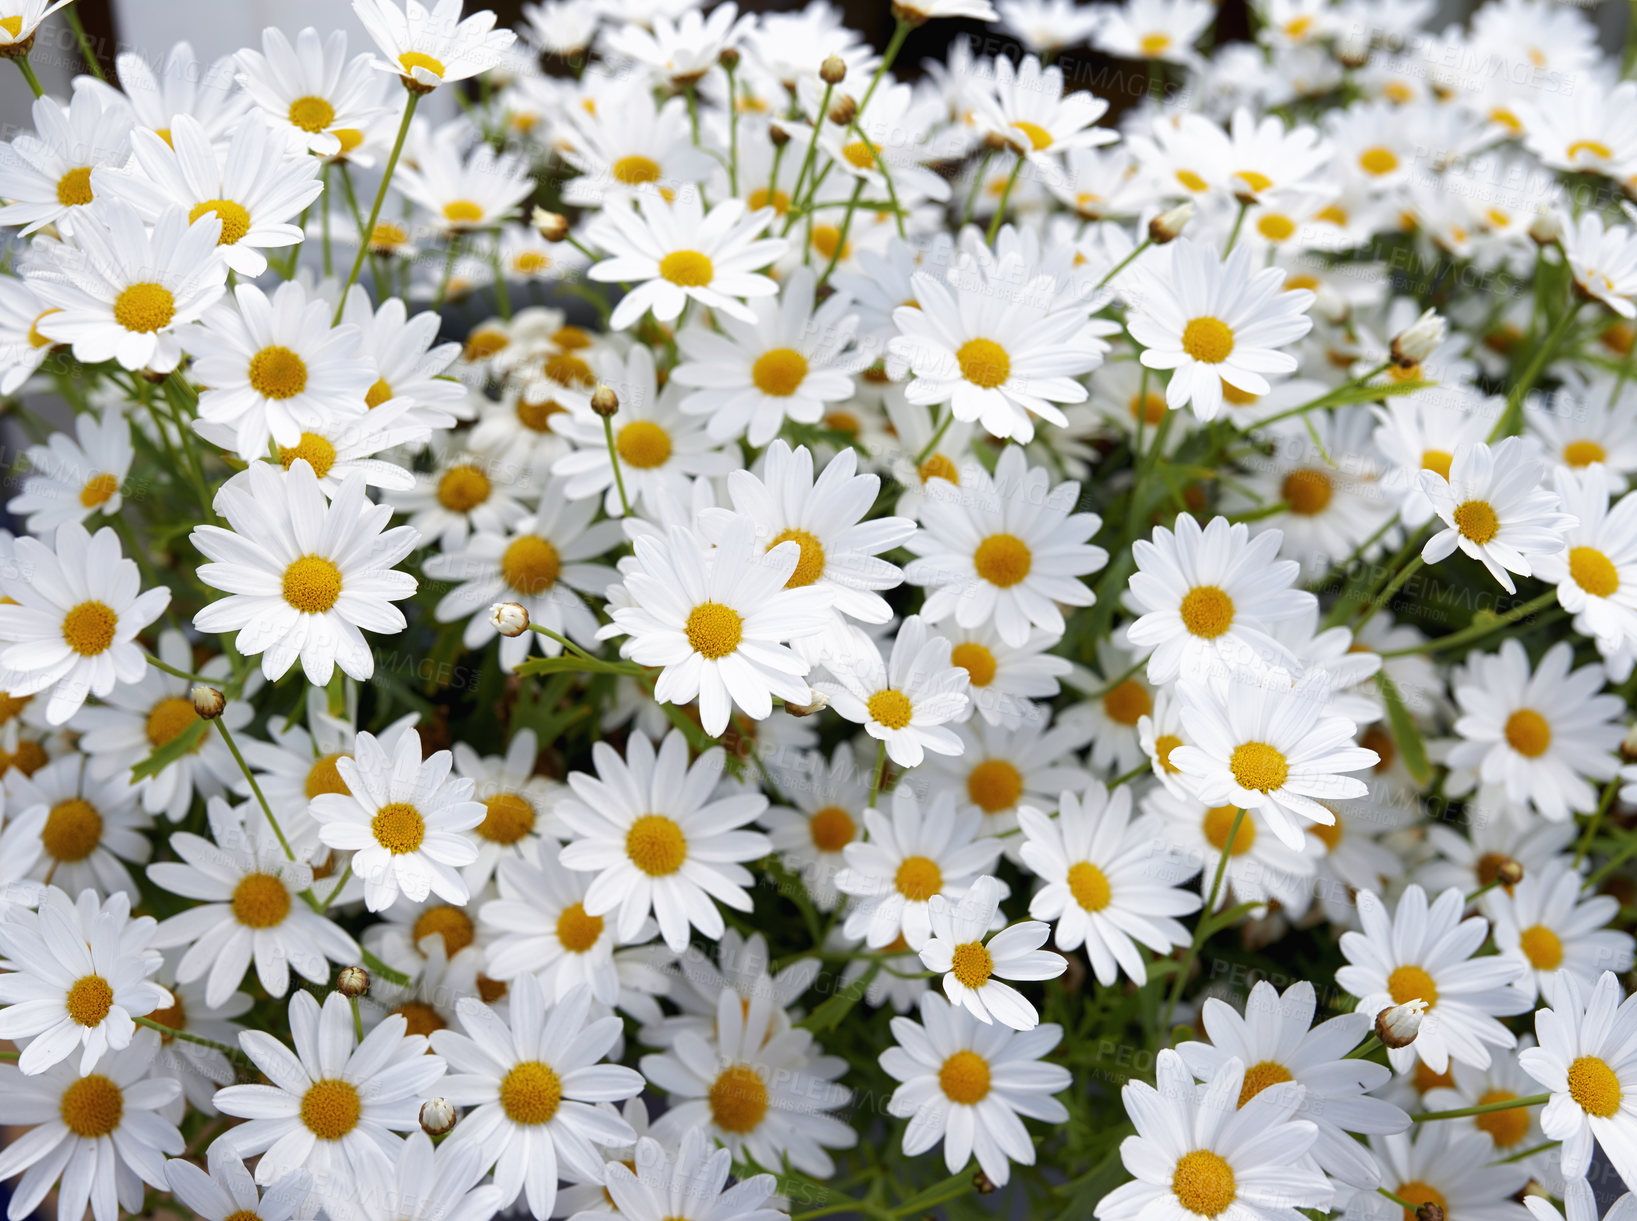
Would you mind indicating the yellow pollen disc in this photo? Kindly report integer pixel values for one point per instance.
(1127, 702)
(243, 1214)
(779, 372)
(28, 758)
(1203, 1183)
(1542, 947)
(964, 1078)
(315, 450)
(72, 830)
(1593, 572)
(1437, 460)
(448, 922)
(687, 269)
(1154, 44)
(74, 187)
(1259, 1076)
(35, 339)
(168, 719)
(1506, 1128)
(1003, 560)
(832, 829)
(1207, 339)
(891, 707)
(145, 308)
(462, 212)
(918, 878)
(938, 467)
(1039, 137)
(972, 964)
(1291, 284)
(656, 845)
(463, 488)
(387, 237)
(1307, 491)
(1594, 1086)
(1256, 765)
(1378, 160)
(277, 373)
(410, 60)
(1593, 149)
(1379, 740)
(420, 1018)
(994, 785)
(311, 113)
(235, 219)
(1192, 181)
(350, 138)
(1150, 408)
(1528, 733)
(92, 1107)
(636, 170)
(984, 363)
(507, 819)
(1327, 834)
(738, 1099)
(1417, 1192)
(1275, 226)
(978, 662)
(810, 567)
(826, 240)
(260, 901)
(1476, 520)
(176, 1017)
(644, 445)
(1089, 886)
(325, 777)
(491, 990)
(714, 630)
(1206, 611)
(11, 706)
(1583, 453)
(89, 1000)
(331, 1108)
(779, 201)
(844, 421)
(576, 931)
(536, 416)
(1426, 1079)
(90, 627)
(1298, 26)
(859, 155)
(567, 369)
(398, 827)
(1409, 983)
(480, 345)
(530, 262)
(1218, 825)
(12, 25)
(312, 584)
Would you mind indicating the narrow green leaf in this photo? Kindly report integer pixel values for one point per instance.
(170, 752)
(1405, 733)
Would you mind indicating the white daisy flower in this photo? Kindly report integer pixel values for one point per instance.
(973, 968)
(1102, 883)
(479, 190)
(967, 1084)
(71, 616)
(1216, 321)
(1515, 1130)
(303, 575)
(344, 446)
(905, 861)
(404, 820)
(426, 48)
(646, 826)
(408, 361)
(248, 908)
(427, 1183)
(226, 1189)
(1421, 431)
(328, 101)
(1596, 570)
(1001, 770)
(25, 17)
(1549, 932)
(1438, 1164)
(907, 703)
(23, 350)
(100, 1136)
(828, 800)
(1602, 259)
(48, 170)
(79, 975)
(1155, 29)
(201, 1069)
(1425, 953)
(1027, 107)
(1495, 510)
(466, 491)
(742, 965)
(335, 1102)
(89, 830)
(71, 479)
(690, 1185)
(1261, 867)
(673, 252)
(520, 806)
(532, 1081)
(1005, 682)
(1586, 424)
(630, 139)
(1579, 1204)
(1006, 549)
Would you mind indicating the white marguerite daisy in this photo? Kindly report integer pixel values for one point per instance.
(647, 827)
(100, 1135)
(1447, 1166)
(1602, 258)
(689, 1184)
(628, 140)
(1596, 570)
(682, 51)
(826, 813)
(1545, 927)
(519, 804)
(404, 819)
(968, 1084)
(1495, 510)
(1000, 770)
(1216, 322)
(1579, 1204)
(1026, 106)
(1425, 953)
(1007, 549)
(303, 575)
(70, 618)
(906, 860)
(22, 21)
(344, 446)
(467, 490)
(335, 1102)
(1260, 867)
(82, 830)
(248, 909)
(1155, 29)
(425, 47)
(328, 101)
(1102, 883)
(973, 969)
(407, 359)
(48, 170)
(23, 350)
(532, 1082)
(464, 193)
(1005, 682)
(177, 84)
(79, 975)
(225, 1189)
(906, 703)
(73, 476)
(674, 252)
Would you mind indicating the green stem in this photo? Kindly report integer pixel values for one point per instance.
(27, 69)
(1126, 262)
(1484, 1108)
(173, 1033)
(567, 644)
(175, 673)
(931, 446)
(503, 297)
(733, 132)
(380, 198)
(1511, 420)
(1005, 198)
(614, 461)
(880, 771)
(894, 45)
(261, 799)
(841, 236)
(812, 150)
(1477, 632)
(1364, 1049)
(977, 184)
(1386, 595)
(1202, 926)
(1238, 223)
(1609, 790)
(92, 64)
(380, 968)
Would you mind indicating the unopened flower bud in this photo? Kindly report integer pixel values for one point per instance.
(983, 1184)
(833, 70)
(817, 701)
(1429, 1212)
(1547, 226)
(1509, 873)
(553, 226)
(1168, 226)
(1419, 340)
(437, 1116)
(1398, 1025)
(729, 58)
(509, 618)
(1628, 745)
(778, 135)
(604, 401)
(844, 111)
(208, 702)
(352, 982)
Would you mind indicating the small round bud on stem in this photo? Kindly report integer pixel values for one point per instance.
(833, 70)
(353, 982)
(1429, 1212)
(817, 701)
(1397, 1026)
(778, 135)
(437, 1116)
(1419, 340)
(1547, 227)
(509, 618)
(844, 110)
(1168, 226)
(1509, 873)
(553, 226)
(604, 401)
(208, 702)
(729, 58)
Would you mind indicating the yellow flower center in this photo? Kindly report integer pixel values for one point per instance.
(1411, 983)
(656, 845)
(810, 567)
(1003, 560)
(331, 1108)
(1207, 339)
(994, 785)
(1203, 1183)
(410, 60)
(92, 1107)
(144, 308)
(260, 901)
(420, 1018)
(1594, 1086)
(1528, 733)
(1149, 408)
(636, 170)
(891, 707)
(1593, 572)
(277, 373)
(1218, 825)
(1417, 1192)
(168, 719)
(827, 239)
(1583, 453)
(312, 584)
(74, 187)
(984, 363)
(325, 777)
(1476, 520)
(536, 416)
(1307, 491)
(644, 445)
(377, 394)
(687, 269)
(462, 488)
(1437, 460)
(12, 25)
(315, 450)
(530, 262)
(1039, 137)
(507, 819)
(779, 201)
(311, 113)
(938, 467)
(398, 827)
(738, 1099)
(576, 931)
(1259, 1076)
(1127, 702)
(972, 964)
(918, 878)
(1089, 886)
(714, 630)
(1378, 160)
(567, 369)
(978, 662)
(530, 1093)
(1505, 1128)
(779, 372)
(859, 155)
(462, 212)
(1328, 834)
(964, 1078)
(1256, 765)
(89, 628)
(350, 138)
(1254, 179)
(72, 830)
(1542, 947)
(1163, 746)
(89, 1000)
(447, 921)
(235, 219)
(386, 237)
(1192, 181)
(1154, 44)
(481, 344)
(1275, 226)
(832, 829)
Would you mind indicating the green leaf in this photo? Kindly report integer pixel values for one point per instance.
(828, 1015)
(170, 752)
(1405, 733)
(568, 662)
